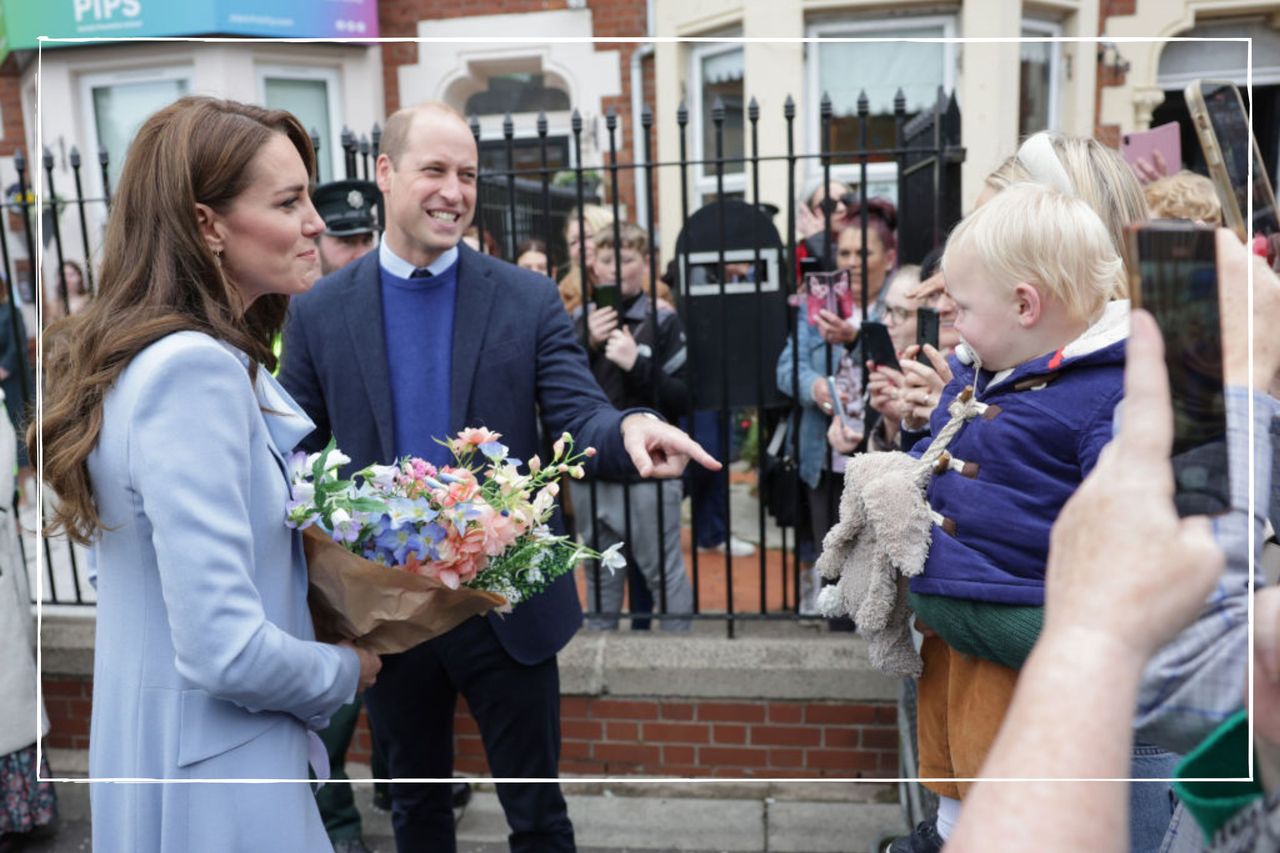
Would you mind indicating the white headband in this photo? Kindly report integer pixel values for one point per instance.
(1039, 158)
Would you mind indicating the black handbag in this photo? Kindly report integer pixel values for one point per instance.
(780, 490)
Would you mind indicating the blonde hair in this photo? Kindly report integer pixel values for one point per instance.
(1184, 195)
(596, 219)
(629, 236)
(1098, 175)
(905, 278)
(1054, 242)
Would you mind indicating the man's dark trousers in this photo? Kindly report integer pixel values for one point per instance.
(417, 691)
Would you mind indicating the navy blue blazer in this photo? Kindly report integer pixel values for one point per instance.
(515, 358)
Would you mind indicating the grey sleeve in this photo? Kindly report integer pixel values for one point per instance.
(1198, 680)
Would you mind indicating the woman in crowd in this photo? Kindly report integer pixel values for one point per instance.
(884, 383)
(812, 223)
(821, 470)
(164, 437)
(77, 292)
(580, 237)
(27, 805)
(17, 379)
(532, 255)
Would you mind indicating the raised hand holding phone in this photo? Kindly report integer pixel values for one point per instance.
(1174, 276)
(1222, 126)
(600, 324)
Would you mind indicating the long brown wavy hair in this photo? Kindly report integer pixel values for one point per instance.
(158, 276)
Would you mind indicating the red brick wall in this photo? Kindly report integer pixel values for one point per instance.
(1108, 134)
(68, 702)
(14, 130)
(641, 737)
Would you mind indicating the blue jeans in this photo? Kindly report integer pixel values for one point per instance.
(707, 489)
(1150, 803)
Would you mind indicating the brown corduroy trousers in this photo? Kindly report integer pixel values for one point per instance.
(962, 701)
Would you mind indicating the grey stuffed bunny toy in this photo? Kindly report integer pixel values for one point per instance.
(882, 539)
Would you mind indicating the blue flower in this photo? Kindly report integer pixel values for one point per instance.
(401, 543)
(433, 532)
(496, 451)
(406, 511)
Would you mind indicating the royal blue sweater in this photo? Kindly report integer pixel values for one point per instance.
(417, 320)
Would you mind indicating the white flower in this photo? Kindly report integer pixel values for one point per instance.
(380, 476)
(336, 459)
(612, 558)
(304, 493)
(545, 501)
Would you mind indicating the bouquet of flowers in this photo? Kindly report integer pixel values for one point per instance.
(401, 553)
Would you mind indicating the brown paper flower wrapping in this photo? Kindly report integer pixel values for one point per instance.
(387, 610)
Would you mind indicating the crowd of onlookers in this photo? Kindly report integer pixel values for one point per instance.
(1013, 414)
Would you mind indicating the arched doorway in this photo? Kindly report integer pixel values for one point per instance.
(1182, 62)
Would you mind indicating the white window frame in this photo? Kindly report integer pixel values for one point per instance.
(93, 80)
(1037, 27)
(850, 173)
(332, 80)
(704, 180)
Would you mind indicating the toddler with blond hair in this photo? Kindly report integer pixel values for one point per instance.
(1036, 381)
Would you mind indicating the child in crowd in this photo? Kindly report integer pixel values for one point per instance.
(1044, 356)
(638, 356)
(1184, 195)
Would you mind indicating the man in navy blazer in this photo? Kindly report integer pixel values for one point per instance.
(419, 340)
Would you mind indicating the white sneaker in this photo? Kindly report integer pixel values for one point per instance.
(737, 548)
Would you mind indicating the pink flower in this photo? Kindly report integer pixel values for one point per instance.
(500, 531)
(422, 468)
(471, 438)
(460, 558)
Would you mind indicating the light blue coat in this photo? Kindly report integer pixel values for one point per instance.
(205, 665)
(812, 365)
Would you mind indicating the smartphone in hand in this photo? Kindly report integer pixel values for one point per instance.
(828, 291)
(605, 295)
(927, 327)
(1144, 144)
(877, 345)
(1222, 127)
(837, 405)
(1174, 275)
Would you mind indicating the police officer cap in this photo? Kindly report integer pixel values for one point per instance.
(347, 207)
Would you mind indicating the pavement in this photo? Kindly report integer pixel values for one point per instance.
(626, 815)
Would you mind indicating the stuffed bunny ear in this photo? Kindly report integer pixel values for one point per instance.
(898, 511)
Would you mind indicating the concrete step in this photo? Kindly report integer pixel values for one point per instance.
(626, 815)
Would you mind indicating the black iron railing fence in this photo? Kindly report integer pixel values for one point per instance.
(518, 204)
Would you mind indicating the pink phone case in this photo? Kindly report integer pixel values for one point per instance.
(1145, 143)
(830, 291)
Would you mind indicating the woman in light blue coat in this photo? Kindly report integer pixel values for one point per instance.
(802, 377)
(165, 439)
